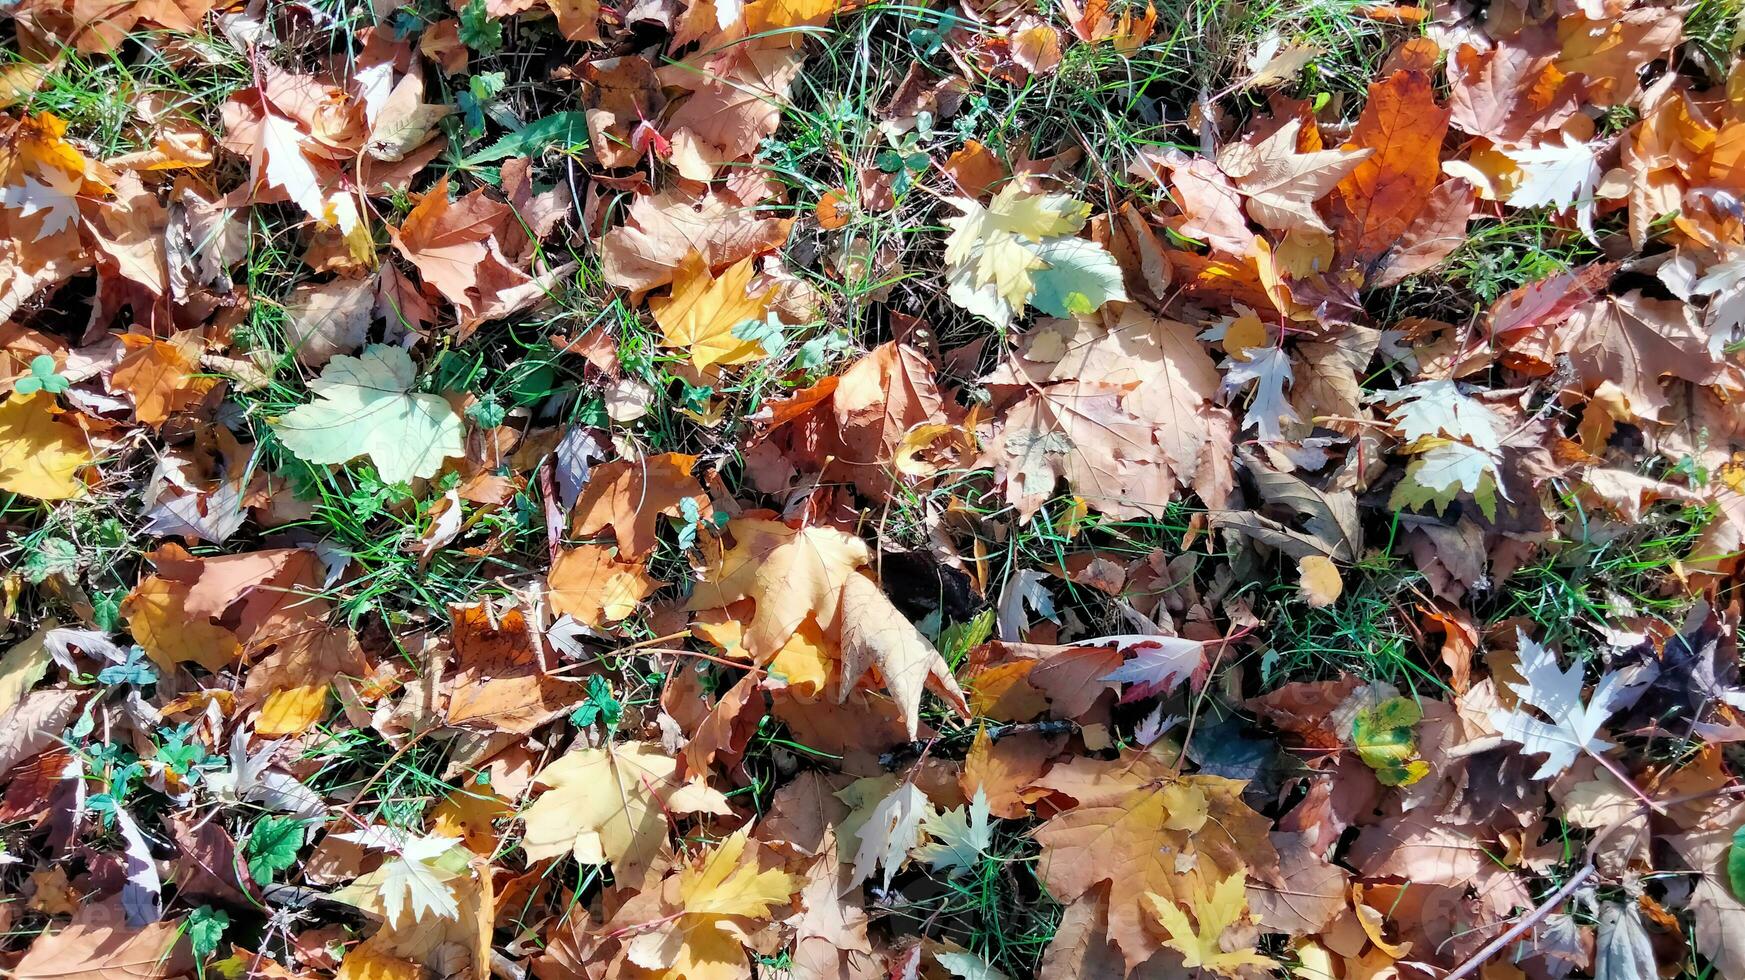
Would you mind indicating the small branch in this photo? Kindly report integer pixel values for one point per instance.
(1527, 922)
(1587, 870)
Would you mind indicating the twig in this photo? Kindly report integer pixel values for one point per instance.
(1527, 922)
(1587, 870)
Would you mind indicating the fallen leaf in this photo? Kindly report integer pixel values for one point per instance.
(703, 313)
(592, 585)
(874, 633)
(365, 406)
(631, 497)
(609, 806)
(791, 573)
(40, 453)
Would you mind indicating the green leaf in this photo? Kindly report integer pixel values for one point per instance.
(1081, 276)
(42, 377)
(1386, 739)
(1736, 863)
(364, 406)
(206, 927)
(272, 846)
(566, 129)
(478, 31)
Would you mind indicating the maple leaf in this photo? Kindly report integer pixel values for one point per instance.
(365, 406)
(875, 632)
(890, 830)
(40, 454)
(1431, 415)
(1216, 909)
(415, 882)
(609, 806)
(1442, 469)
(596, 588)
(159, 376)
(961, 836)
(1282, 185)
(1375, 204)
(790, 573)
(661, 231)
(1573, 727)
(1439, 407)
(95, 946)
(1081, 433)
(715, 896)
(500, 683)
(451, 243)
(702, 312)
(287, 168)
(1559, 176)
(1718, 914)
(1018, 251)
(1138, 828)
(324, 319)
(1633, 342)
(878, 401)
(630, 496)
(55, 196)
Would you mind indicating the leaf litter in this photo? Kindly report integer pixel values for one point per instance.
(557, 490)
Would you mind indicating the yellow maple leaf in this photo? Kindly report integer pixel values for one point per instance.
(790, 573)
(701, 940)
(367, 961)
(292, 710)
(170, 635)
(40, 455)
(803, 662)
(723, 884)
(1215, 910)
(609, 806)
(468, 813)
(763, 16)
(703, 310)
(991, 240)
